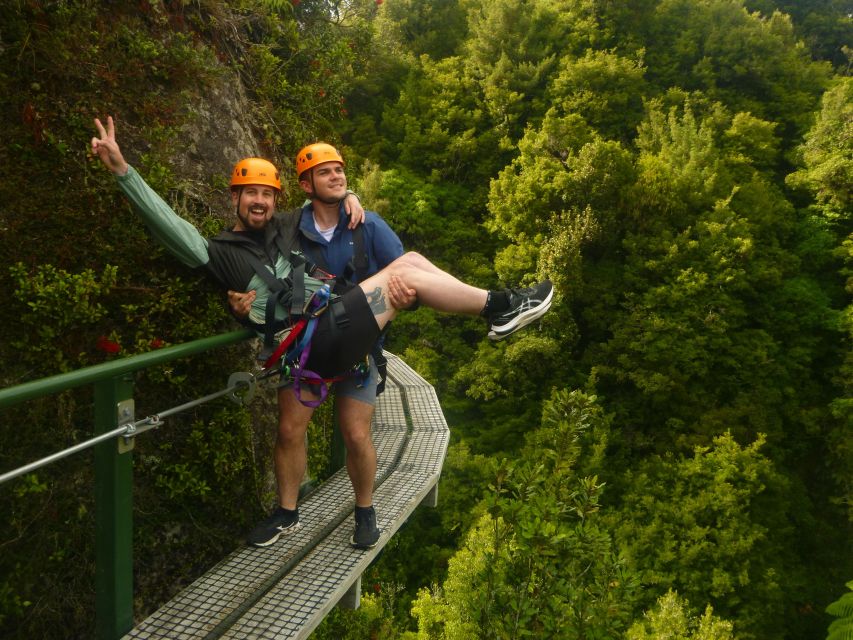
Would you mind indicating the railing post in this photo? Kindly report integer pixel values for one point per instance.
(113, 513)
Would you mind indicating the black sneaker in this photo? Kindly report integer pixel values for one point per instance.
(280, 523)
(525, 306)
(366, 532)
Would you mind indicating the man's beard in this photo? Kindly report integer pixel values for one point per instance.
(247, 221)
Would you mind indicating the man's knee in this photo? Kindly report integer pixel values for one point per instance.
(411, 259)
(354, 420)
(293, 418)
(357, 437)
(290, 432)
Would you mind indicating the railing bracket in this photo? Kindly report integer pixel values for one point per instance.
(125, 419)
(245, 387)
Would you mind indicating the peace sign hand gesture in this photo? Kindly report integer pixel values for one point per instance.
(106, 147)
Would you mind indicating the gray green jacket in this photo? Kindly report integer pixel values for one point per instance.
(224, 256)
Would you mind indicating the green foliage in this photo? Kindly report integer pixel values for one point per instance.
(509, 381)
(441, 127)
(61, 64)
(825, 173)
(606, 89)
(635, 153)
(54, 306)
(206, 461)
(435, 29)
(708, 259)
(712, 526)
(12, 605)
(682, 169)
(563, 169)
(417, 555)
(513, 50)
(538, 564)
(750, 63)
(824, 25)
(840, 439)
(438, 218)
(371, 620)
(842, 628)
(302, 58)
(647, 182)
(670, 619)
(827, 154)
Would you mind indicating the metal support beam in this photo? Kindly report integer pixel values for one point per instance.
(431, 499)
(113, 512)
(352, 598)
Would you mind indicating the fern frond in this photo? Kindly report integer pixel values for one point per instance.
(843, 607)
(844, 630)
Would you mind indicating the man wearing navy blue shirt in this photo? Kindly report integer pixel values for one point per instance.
(334, 244)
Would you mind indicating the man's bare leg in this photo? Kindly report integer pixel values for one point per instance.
(290, 456)
(354, 417)
(289, 459)
(434, 288)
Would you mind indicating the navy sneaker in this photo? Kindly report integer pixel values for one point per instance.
(525, 306)
(366, 532)
(280, 523)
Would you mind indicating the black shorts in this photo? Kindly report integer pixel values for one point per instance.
(336, 347)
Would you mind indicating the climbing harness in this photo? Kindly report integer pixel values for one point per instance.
(356, 270)
(287, 341)
(290, 357)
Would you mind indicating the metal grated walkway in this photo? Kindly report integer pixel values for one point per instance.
(285, 590)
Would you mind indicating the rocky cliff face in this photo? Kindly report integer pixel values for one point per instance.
(184, 118)
(218, 134)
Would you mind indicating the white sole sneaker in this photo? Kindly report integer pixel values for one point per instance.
(363, 547)
(282, 532)
(523, 319)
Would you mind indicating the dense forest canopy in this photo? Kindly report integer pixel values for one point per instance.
(669, 453)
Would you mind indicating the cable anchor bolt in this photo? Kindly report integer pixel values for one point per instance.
(244, 387)
(125, 415)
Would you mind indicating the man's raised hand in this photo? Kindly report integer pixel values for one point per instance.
(104, 146)
(353, 208)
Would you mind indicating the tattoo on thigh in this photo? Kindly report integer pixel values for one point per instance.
(376, 300)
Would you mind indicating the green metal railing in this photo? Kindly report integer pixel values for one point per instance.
(113, 386)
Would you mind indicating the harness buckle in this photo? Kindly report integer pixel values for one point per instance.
(318, 302)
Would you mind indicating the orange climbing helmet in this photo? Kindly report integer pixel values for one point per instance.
(255, 171)
(315, 154)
